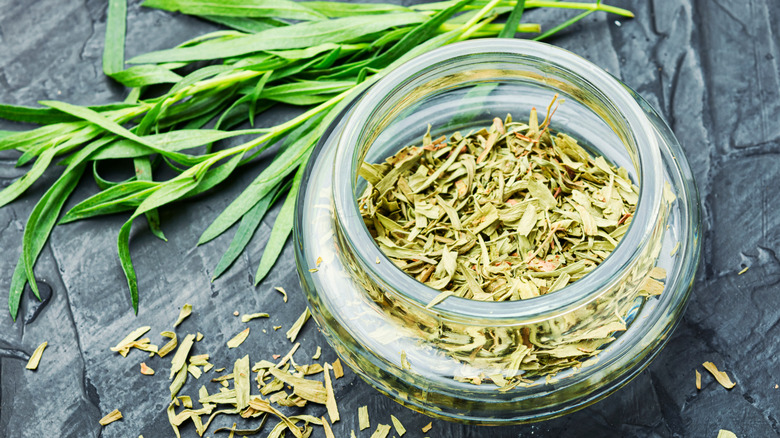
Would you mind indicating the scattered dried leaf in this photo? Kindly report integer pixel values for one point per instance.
(399, 428)
(698, 379)
(427, 427)
(333, 410)
(238, 339)
(167, 348)
(723, 433)
(111, 417)
(145, 370)
(317, 353)
(720, 376)
(363, 420)
(328, 430)
(292, 334)
(122, 347)
(283, 292)
(338, 370)
(186, 310)
(35, 359)
(381, 431)
(251, 316)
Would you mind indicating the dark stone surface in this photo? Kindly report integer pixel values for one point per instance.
(711, 67)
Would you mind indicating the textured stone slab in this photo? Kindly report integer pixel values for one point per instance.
(711, 68)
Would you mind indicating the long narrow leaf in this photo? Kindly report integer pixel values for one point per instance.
(113, 127)
(246, 24)
(143, 172)
(282, 227)
(510, 28)
(296, 36)
(114, 48)
(36, 232)
(47, 116)
(562, 26)
(246, 229)
(239, 8)
(19, 186)
(143, 75)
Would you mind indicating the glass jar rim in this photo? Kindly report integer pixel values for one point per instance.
(578, 293)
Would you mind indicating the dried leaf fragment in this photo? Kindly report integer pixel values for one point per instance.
(399, 428)
(298, 325)
(720, 376)
(317, 353)
(180, 358)
(698, 379)
(186, 310)
(333, 410)
(238, 339)
(283, 292)
(35, 359)
(427, 427)
(145, 370)
(122, 347)
(241, 382)
(363, 420)
(338, 370)
(328, 430)
(723, 433)
(745, 269)
(251, 316)
(111, 417)
(167, 348)
(381, 431)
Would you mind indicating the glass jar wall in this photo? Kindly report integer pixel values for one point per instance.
(497, 362)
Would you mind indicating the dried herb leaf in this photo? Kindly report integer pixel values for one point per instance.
(292, 334)
(333, 410)
(723, 433)
(241, 382)
(328, 430)
(167, 348)
(363, 421)
(427, 427)
(399, 428)
(180, 358)
(35, 358)
(311, 390)
(720, 376)
(317, 353)
(698, 379)
(122, 346)
(110, 417)
(238, 339)
(381, 431)
(186, 311)
(145, 370)
(251, 316)
(338, 370)
(283, 292)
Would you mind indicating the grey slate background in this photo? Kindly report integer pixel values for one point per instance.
(711, 67)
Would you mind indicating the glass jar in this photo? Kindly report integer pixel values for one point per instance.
(468, 360)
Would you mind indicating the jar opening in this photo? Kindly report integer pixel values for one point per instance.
(457, 88)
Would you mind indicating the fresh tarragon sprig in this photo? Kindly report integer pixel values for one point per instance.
(323, 58)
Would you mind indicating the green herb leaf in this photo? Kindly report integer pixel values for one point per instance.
(295, 36)
(282, 227)
(37, 230)
(246, 230)
(114, 48)
(239, 8)
(510, 28)
(143, 75)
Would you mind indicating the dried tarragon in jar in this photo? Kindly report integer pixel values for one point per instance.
(506, 213)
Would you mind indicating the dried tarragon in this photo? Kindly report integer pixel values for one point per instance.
(506, 213)
(35, 359)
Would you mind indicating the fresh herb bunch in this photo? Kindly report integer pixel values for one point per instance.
(316, 54)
